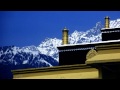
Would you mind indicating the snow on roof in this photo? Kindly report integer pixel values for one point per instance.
(109, 28)
(90, 43)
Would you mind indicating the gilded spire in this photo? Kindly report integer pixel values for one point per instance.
(107, 22)
(65, 36)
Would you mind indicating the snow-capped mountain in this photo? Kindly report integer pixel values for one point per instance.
(26, 57)
(46, 54)
(115, 23)
(92, 35)
(31, 49)
(49, 47)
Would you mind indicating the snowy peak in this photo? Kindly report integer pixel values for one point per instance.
(115, 23)
(49, 47)
(31, 49)
(75, 36)
(51, 42)
(88, 36)
(95, 30)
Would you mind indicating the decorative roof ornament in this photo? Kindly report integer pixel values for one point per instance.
(91, 54)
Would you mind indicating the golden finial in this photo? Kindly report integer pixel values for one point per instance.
(65, 36)
(107, 22)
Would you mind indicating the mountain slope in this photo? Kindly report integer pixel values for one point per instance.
(92, 35)
(26, 57)
(49, 47)
(115, 23)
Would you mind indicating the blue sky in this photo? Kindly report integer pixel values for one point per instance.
(24, 28)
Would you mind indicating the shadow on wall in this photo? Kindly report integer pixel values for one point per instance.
(5, 72)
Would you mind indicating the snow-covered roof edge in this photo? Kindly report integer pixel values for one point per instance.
(91, 43)
(109, 28)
